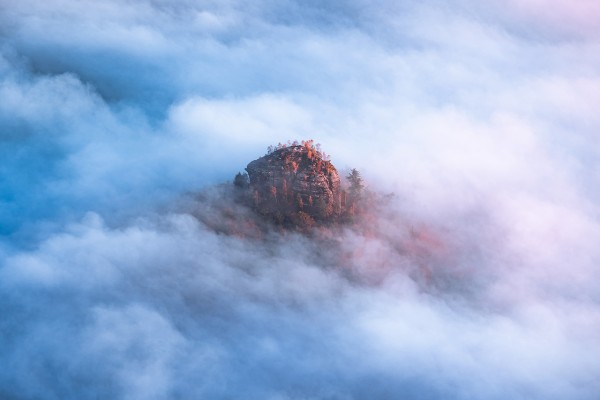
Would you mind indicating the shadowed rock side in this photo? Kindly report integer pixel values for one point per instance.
(296, 185)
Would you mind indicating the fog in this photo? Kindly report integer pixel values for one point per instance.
(121, 275)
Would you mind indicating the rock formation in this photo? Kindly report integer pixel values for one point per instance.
(294, 184)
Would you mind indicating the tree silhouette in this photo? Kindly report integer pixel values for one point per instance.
(356, 183)
(241, 180)
(354, 198)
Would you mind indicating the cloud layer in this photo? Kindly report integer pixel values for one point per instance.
(478, 280)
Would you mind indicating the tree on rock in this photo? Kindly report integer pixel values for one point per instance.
(241, 180)
(356, 183)
(354, 199)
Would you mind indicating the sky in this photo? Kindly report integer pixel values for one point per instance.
(478, 280)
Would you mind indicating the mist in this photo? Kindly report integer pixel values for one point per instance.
(128, 271)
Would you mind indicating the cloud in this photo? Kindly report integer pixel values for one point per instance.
(477, 280)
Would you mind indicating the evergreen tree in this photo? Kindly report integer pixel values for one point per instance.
(356, 183)
(241, 180)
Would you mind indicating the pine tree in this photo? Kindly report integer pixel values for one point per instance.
(354, 197)
(356, 183)
(241, 180)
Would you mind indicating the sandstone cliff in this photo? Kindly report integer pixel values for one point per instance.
(295, 184)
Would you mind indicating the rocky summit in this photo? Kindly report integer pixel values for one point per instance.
(296, 184)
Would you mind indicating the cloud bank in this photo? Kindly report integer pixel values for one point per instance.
(478, 280)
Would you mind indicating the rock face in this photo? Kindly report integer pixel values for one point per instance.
(295, 182)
